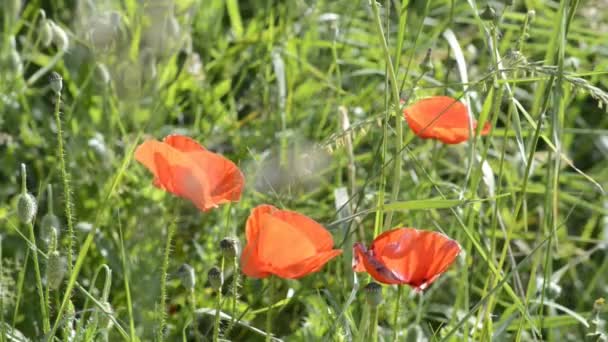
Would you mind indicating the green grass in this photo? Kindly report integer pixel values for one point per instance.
(304, 97)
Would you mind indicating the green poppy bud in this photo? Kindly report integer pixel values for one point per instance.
(56, 82)
(48, 226)
(55, 270)
(427, 63)
(488, 14)
(26, 207)
(229, 248)
(216, 278)
(46, 32)
(373, 294)
(187, 276)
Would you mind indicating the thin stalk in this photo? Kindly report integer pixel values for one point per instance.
(396, 316)
(398, 121)
(20, 281)
(218, 307)
(125, 268)
(65, 177)
(269, 311)
(197, 337)
(163, 282)
(46, 325)
(235, 288)
(373, 325)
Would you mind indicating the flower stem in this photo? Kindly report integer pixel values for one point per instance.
(397, 307)
(398, 117)
(269, 311)
(65, 176)
(46, 325)
(197, 337)
(163, 282)
(373, 325)
(235, 287)
(218, 308)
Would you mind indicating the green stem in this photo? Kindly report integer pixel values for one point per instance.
(373, 325)
(397, 307)
(197, 337)
(46, 325)
(235, 288)
(67, 191)
(218, 307)
(163, 282)
(398, 120)
(269, 311)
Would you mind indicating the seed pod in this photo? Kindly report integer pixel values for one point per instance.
(55, 270)
(229, 248)
(56, 82)
(216, 278)
(26, 207)
(373, 294)
(187, 276)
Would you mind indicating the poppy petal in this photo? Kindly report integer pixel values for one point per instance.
(366, 261)
(281, 244)
(442, 118)
(251, 265)
(407, 256)
(183, 143)
(175, 172)
(310, 228)
(284, 243)
(225, 179)
(307, 266)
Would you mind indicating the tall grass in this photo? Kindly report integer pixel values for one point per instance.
(305, 96)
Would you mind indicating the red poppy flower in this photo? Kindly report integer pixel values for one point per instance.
(406, 256)
(442, 118)
(183, 167)
(284, 243)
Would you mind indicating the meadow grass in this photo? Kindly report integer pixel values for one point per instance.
(306, 98)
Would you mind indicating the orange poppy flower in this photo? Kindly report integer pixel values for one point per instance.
(183, 167)
(406, 256)
(284, 243)
(442, 118)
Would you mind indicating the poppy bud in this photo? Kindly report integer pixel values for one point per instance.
(229, 247)
(49, 227)
(531, 15)
(26, 203)
(373, 294)
(60, 38)
(216, 278)
(187, 276)
(56, 82)
(26, 207)
(427, 64)
(488, 14)
(55, 270)
(46, 32)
